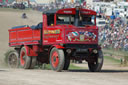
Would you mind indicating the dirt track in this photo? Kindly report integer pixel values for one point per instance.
(10, 18)
(72, 77)
(110, 75)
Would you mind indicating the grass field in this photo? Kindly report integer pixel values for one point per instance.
(111, 59)
(115, 52)
(117, 56)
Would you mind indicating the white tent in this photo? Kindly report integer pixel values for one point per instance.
(44, 1)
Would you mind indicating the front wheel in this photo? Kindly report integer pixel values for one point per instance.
(67, 63)
(57, 59)
(97, 65)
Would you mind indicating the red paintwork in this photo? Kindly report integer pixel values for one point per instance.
(73, 11)
(51, 38)
(55, 59)
(31, 51)
(23, 36)
(88, 12)
(22, 61)
(67, 11)
(54, 35)
(58, 46)
(64, 31)
(82, 37)
(90, 49)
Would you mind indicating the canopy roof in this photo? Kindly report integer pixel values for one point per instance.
(50, 11)
(70, 11)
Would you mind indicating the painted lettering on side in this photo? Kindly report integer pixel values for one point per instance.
(52, 31)
(67, 11)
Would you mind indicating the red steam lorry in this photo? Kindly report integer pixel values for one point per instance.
(64, 35)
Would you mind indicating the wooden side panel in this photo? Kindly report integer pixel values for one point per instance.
(26, 35)
(12, 36)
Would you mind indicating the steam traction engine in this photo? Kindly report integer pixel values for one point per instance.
(63, 35)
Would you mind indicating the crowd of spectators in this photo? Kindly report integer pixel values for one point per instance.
(114, 34)
(44, 7)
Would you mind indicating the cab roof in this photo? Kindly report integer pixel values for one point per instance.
(70, 11)
(53, 11)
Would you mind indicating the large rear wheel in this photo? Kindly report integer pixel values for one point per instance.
(33, 62)
(25, 60)
(57, 59)
(13, 59)
(97, 65)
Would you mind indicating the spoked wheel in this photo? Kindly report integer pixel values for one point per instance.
(97, 65)
(57, 59)
(13, 60)
(26, 62)
(67, 63)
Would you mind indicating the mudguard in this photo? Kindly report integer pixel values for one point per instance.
(31, 51)
(58, 46)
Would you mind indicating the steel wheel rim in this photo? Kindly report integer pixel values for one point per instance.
(55, 59)
(22, 58)
(13, 61)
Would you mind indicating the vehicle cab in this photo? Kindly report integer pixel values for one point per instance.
(70, 26)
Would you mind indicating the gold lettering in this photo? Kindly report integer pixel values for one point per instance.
(52, 31)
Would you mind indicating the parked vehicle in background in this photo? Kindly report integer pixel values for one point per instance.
(1, 5)
(100, 22)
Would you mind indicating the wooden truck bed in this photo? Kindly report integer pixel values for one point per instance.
(23, 35)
